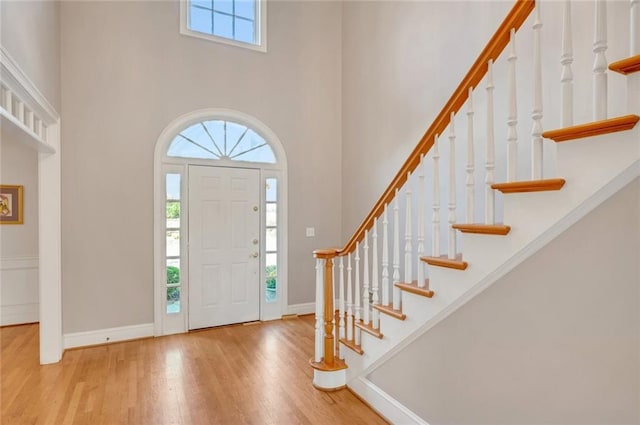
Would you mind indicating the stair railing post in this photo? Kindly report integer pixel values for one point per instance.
(396, 252)
(634, 29)
(435, 218)
(490, 166)
(385, 257)
(341, 325)
(566, 79)
(512, 117)
(600, 62)
(470, 182)
(366, 307)
(319, 332)
(536, 113)
(408, 238)
(375, 314)
(420, 199)
(329, 309)
(357, 294)
(452, 189)
(349, 300)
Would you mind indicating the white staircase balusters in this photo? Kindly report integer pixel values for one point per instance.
(408, 238)
(470, 182)
(452, 188)
(489, 202)
(375, 314)
(385, 258)
(349, 300)
(634, 30)
(435, 218)
(20, 111)
(566, 79)
(600, 62)
(319, 335)
(357, 294)
(536, 113)
(366, 308)
(341, 324)
(8, 101)
(512, 117)
(419, 264)
(396, 252)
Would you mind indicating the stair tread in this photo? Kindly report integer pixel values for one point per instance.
(484, 229)
(444, 261)
(627, 65)
(352, 345)
(369, 329)
(390, 311)
(595, 128)
(529, 186)
(415, 289)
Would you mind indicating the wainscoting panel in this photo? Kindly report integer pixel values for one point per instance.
(19, 290)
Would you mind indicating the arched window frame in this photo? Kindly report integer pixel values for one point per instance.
(164, 323)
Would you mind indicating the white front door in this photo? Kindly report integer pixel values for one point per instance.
(224, 258)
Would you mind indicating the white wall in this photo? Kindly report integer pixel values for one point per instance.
(556, 341)
(126, 74)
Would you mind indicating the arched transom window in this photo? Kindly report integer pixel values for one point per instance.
(220, 139)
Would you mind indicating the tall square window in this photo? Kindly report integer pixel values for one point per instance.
(236, 22)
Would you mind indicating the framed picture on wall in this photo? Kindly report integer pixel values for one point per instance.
(11, 204)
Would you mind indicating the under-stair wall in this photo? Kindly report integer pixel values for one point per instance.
(555, 341)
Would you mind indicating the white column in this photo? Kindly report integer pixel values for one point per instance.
(435, 218)
(341, 324)
(452, 188)
(366, 317)
(319, 310)
(536, 113)
(396, 252)
(375, 314)
(566, 79)
(408, 267)
(489, 202)
(600, 62)
(635, 28)
(357, 293)
(512, 117)
(349, 300)
(419, 264)
(385, 258)
(470, 183)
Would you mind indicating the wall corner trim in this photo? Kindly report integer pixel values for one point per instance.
(108, 335)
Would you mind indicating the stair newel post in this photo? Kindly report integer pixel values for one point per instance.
(319, 340)
(341, 324)
(512, 118)
(396, 252)
(489, 203)
(470, 182)
(375, 314)
(452, 188)
(536, 113)
(408, 238)
(385, 257)
(600, 62)
(366, 307)
(329, 310)
(634, 29)
(435, 218)
(566, 78)
(420, 200)
(357, 293)
(349, 300)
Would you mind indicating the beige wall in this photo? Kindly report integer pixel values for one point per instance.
(556, 341)
(127, 73)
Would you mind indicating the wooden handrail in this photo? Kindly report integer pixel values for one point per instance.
(514, 19)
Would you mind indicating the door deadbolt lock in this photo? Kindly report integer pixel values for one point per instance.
(255, 208)
(255, 242)
(254, 255)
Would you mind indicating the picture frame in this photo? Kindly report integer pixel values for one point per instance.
(11, 204)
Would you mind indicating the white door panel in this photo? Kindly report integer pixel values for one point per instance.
(224, 220)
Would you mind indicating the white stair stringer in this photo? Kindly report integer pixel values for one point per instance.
(594, 168)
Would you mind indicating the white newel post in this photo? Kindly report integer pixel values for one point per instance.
(408, 267)
(512, 117)
(341, 333)
(319, 310)
(435, 218)
(536, 113)
(366, 316)
(375, 314)
(419, 264)
(600, 62)
(470, 182)
(385, 258)
(357, 293)
(566, 79)
(396, 252)
(634, 30)
(489, 203)
(349, 300)
(452, 188)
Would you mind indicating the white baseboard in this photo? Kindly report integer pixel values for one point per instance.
(305, 308)
(17, 314)
(387, 406)
(102, 336)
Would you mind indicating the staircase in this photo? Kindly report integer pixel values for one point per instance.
(444, 230)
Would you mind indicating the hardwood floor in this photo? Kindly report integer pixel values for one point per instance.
(256, 374)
